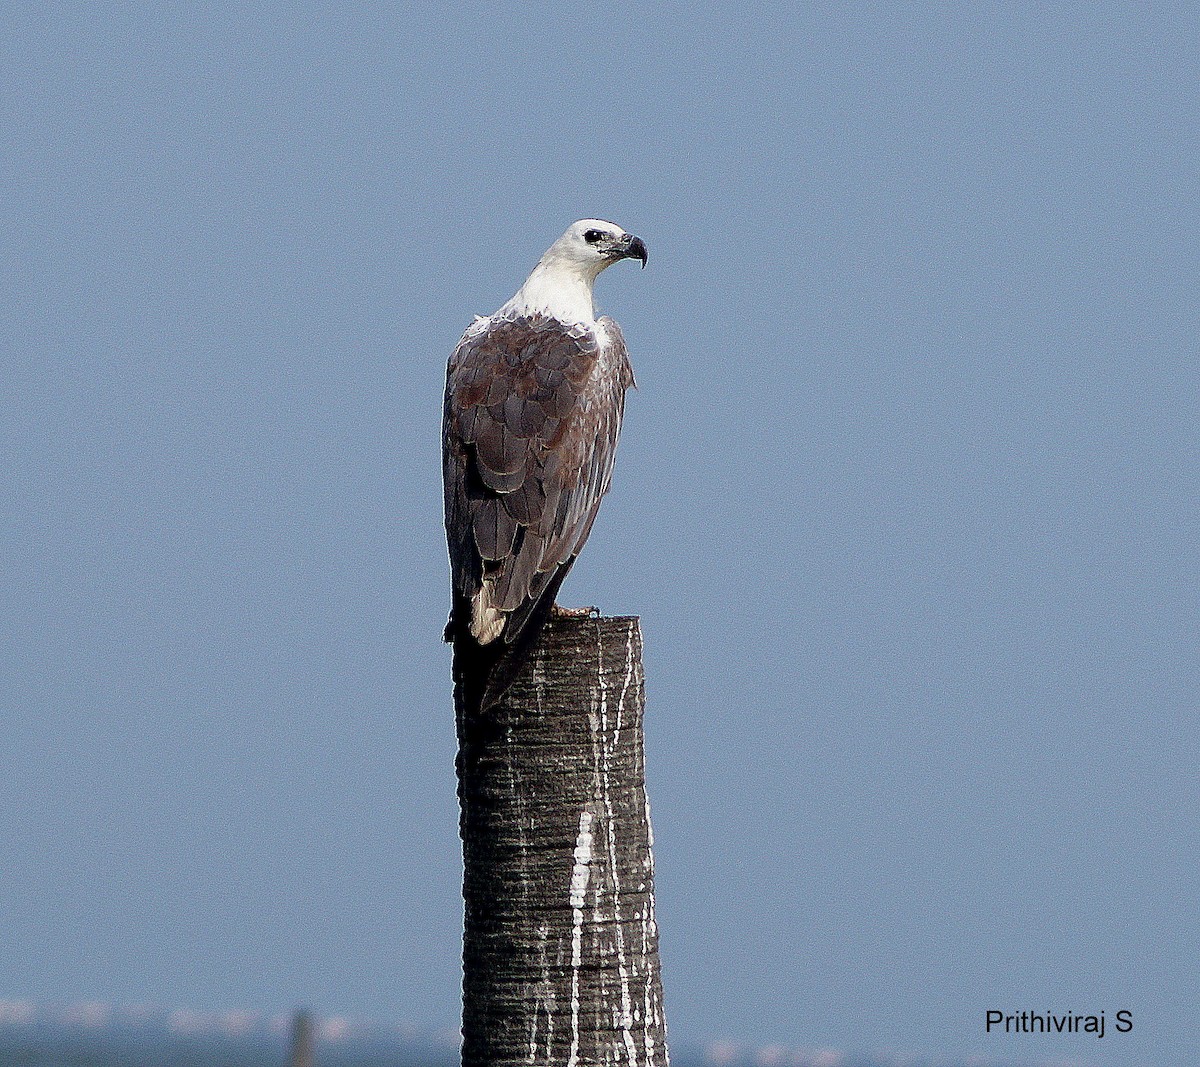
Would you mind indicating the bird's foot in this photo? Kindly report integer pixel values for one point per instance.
(558, 611)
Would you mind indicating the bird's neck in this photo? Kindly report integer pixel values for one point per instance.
(555, 290)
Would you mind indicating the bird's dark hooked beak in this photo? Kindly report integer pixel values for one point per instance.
(630, 247)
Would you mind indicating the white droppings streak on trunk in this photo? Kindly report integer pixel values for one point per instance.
(598, 800)
(544, 1003)
(650, 1008)
(544, 999)
(579, 883)
(625, 1018)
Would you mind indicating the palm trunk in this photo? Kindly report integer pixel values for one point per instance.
(560, 947)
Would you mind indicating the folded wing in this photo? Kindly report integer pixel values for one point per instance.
(533, 410)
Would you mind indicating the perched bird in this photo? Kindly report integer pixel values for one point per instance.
(533, 406)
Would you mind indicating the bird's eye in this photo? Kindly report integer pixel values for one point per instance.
(593, 236)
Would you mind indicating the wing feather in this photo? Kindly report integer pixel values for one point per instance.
(495, 530)
(532, 414)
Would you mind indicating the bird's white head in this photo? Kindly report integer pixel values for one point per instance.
(561, 283)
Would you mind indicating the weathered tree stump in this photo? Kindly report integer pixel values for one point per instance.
(560, 946)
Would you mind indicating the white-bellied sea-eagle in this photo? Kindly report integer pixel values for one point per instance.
(533, 406)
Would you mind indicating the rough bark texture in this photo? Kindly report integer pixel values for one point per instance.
(560, 948)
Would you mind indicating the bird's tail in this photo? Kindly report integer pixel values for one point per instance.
(472, 664)
(483, 673)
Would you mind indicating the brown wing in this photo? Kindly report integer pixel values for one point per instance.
(532, 413)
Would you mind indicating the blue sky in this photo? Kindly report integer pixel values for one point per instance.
(906, 499)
